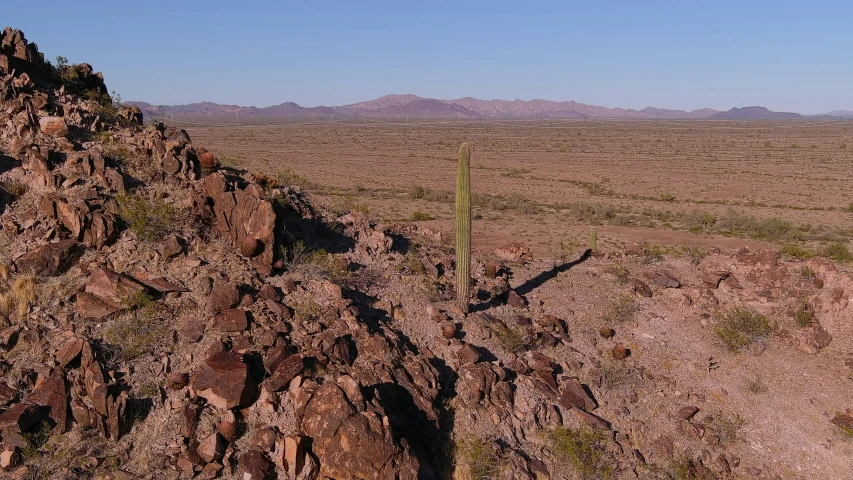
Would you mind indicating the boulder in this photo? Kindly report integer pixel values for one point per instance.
(223, 379)
(115, 289)
(223, 296)
(54, 126)
(53, 395)
(575, 395)
(242, 215)
(50, 260)
(284, 372)
(231, 320)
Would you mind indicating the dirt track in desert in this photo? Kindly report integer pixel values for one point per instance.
(545, 182)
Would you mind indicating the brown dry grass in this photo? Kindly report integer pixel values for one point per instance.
(670, 182)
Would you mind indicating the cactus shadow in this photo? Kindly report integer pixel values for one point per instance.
(543, 277)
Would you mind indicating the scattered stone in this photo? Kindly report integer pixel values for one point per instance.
(575, 395)
(286, 371)
(223, 379)
(468, 354)
(687, 412)
(516, 300)
(223, 296)
(231, 320)
(50, 260)
(640, 288)
(211, 448)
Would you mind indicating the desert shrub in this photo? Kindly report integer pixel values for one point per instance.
(305, 310)
(806, 272)
(139, 331)
(700, 221)
(513, 339)
(667, 197)
(230, 161)
(695, 254)
(514, 202)
(773, 229)
(622, 309)
(480, 458)
(843, 426)
(582, 450)
(417, 192)
(838, 252)
(24, 293)
(739, 327)
(148, 219)
(850, 207)
(652, 253)
(593, 214)
(344, 204)
(727, 429)
(289, 177)
(755, 385)
(804, 315)
(420, 216)
(619, 271)
(795, 251)
(15, 189)
(298, 257)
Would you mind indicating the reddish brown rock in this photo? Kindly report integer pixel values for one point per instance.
(640, 288)
(69, 351)
(223, 379)
(115, 289)
(231, 320)
(242, 215)
(513, 299)
(223, 296)
(50, 260)
(53, 395)
(20, 417)
(211, 448)
(54, 126)
(253, 465)
(468, 354)
(687, 412)
(284, 372)
(590, 420)
(574, 395)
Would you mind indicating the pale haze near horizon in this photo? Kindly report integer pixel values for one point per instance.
(784, 55)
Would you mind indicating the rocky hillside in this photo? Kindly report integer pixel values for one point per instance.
(162, 316)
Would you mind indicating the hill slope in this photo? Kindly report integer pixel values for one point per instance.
(755, 113)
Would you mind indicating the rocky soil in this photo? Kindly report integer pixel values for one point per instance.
(166, 317)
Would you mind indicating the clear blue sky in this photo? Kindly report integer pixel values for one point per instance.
(785, 55)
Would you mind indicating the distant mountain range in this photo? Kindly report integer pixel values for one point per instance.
(415, 106)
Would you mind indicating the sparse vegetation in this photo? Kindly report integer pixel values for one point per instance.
(480, 458)
(420, 216)
(514, 339)
(740, 326)
(755, 385)
(15, 189)
(139, 331)
(838, 252)
(148, 219)
(795, 251)
(583, 451)
(619, 271)
(695, 254)
(621, 310)
(804, 315)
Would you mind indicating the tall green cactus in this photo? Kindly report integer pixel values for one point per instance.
(593, 238)
(463, 227)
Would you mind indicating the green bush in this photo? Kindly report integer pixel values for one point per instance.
(795, 251)
(480, 457)
(513, 339)
(741, 326)
(622, 309)
(420, 216)
(583, 450)
(148, 219)
(804, 315)
(139, 331)
(838, 252)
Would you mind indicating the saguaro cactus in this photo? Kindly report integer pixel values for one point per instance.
(463, 227)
